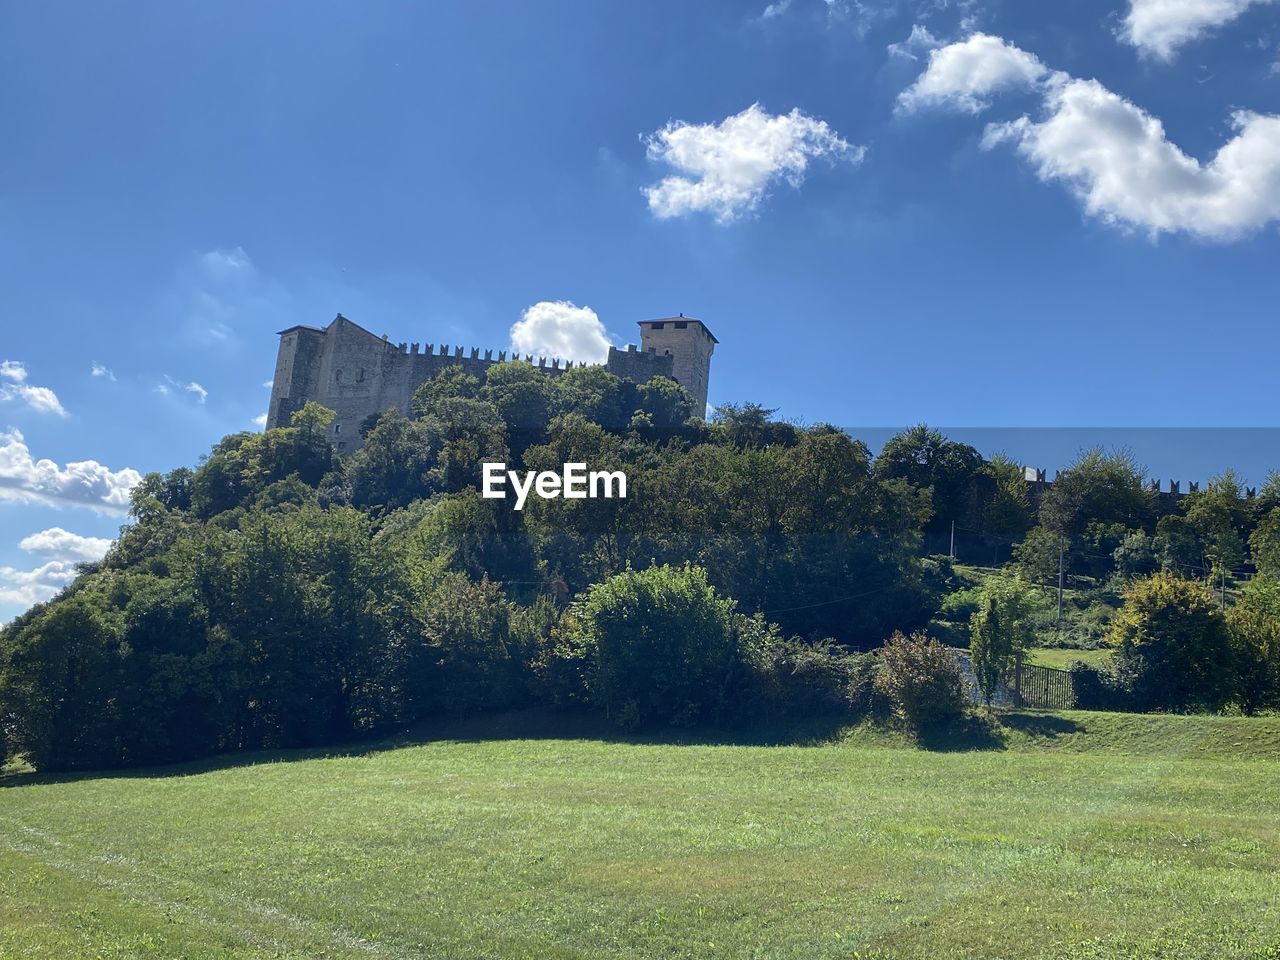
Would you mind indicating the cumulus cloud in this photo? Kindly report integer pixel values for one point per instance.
(27, 587)
(60, 544)
(260, 420)
(15, 387)
(558, 328)
(98, 370)
(967, 74)
(1117, 159)
(1159, 28)
(84, 483)
(726, 168)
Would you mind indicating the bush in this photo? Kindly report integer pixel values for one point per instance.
(1255, 636)
(1174, 645)
(1094, 688)
(796, 679)
(657, 646)
(922, 681)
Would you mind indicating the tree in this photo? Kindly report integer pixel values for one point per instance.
(1097, 487)
(658, 646)
(1174, 645)
(1264, 544)
(666, 403)
(1255, 633)
(453, 382)
(312, 418)
(750, 424)
(1000, 630)
(1007, 511)
(925, 458)
(921, 680)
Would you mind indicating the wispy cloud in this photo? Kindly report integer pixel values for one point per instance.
(98, 370)
(170, 387)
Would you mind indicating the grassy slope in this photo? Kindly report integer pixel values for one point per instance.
(1064, 657)
(1089, 835)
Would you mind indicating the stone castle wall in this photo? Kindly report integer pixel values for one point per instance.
(354, 373)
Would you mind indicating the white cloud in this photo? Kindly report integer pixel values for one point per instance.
(1116, 158)
(169, 386)
(727, 167)
(775, 9)
(39, 399)
(85, 483)
(98, 370)
(1159, 27)
(558, 328)
(27, 587)
(60, 544)
(260, 420)
(268, 384)
(920, 42)
(965, 75)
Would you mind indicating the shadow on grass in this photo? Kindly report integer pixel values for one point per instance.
(971, 732)
(1045, 726)
(533, 724)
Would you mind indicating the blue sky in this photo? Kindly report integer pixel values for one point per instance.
(877, 241)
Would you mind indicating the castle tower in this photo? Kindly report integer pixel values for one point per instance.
(689, 344)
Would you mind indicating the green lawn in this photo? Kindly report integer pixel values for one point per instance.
(1063, 658)
(1074, 835)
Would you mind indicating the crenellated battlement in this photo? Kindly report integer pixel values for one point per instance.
(1037, 480)
(356, 373)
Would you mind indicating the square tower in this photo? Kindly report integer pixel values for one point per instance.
(689, 344)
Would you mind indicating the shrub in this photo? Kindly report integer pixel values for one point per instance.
(796, 678)
(658, 646)
(1255, 637)
(1174, 646)
(921, 679)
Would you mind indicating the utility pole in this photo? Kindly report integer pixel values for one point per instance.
(1223, 602)
(953, 539)
(1060, 552)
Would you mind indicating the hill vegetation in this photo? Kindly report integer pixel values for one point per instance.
(281, 595)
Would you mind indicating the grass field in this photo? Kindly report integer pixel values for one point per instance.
(1072, 835)
(1063, 658)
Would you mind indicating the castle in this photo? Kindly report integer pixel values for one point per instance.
(355, 373)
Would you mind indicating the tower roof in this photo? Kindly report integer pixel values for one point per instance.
(680, 319)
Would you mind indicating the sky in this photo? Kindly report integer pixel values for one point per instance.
(964, 212)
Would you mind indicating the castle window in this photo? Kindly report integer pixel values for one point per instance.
(337, 428)
(360, 379)
(681, 324)
(658, 326)
(342, 444)
(337, 376)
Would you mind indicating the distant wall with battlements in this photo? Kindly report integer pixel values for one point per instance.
(355, 373)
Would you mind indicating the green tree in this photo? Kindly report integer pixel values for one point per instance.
(1255, 632)
(659, 646)
(1174, 645)
(926, 459)
(1264, 544)
(1097, 488)
(1000, 630)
